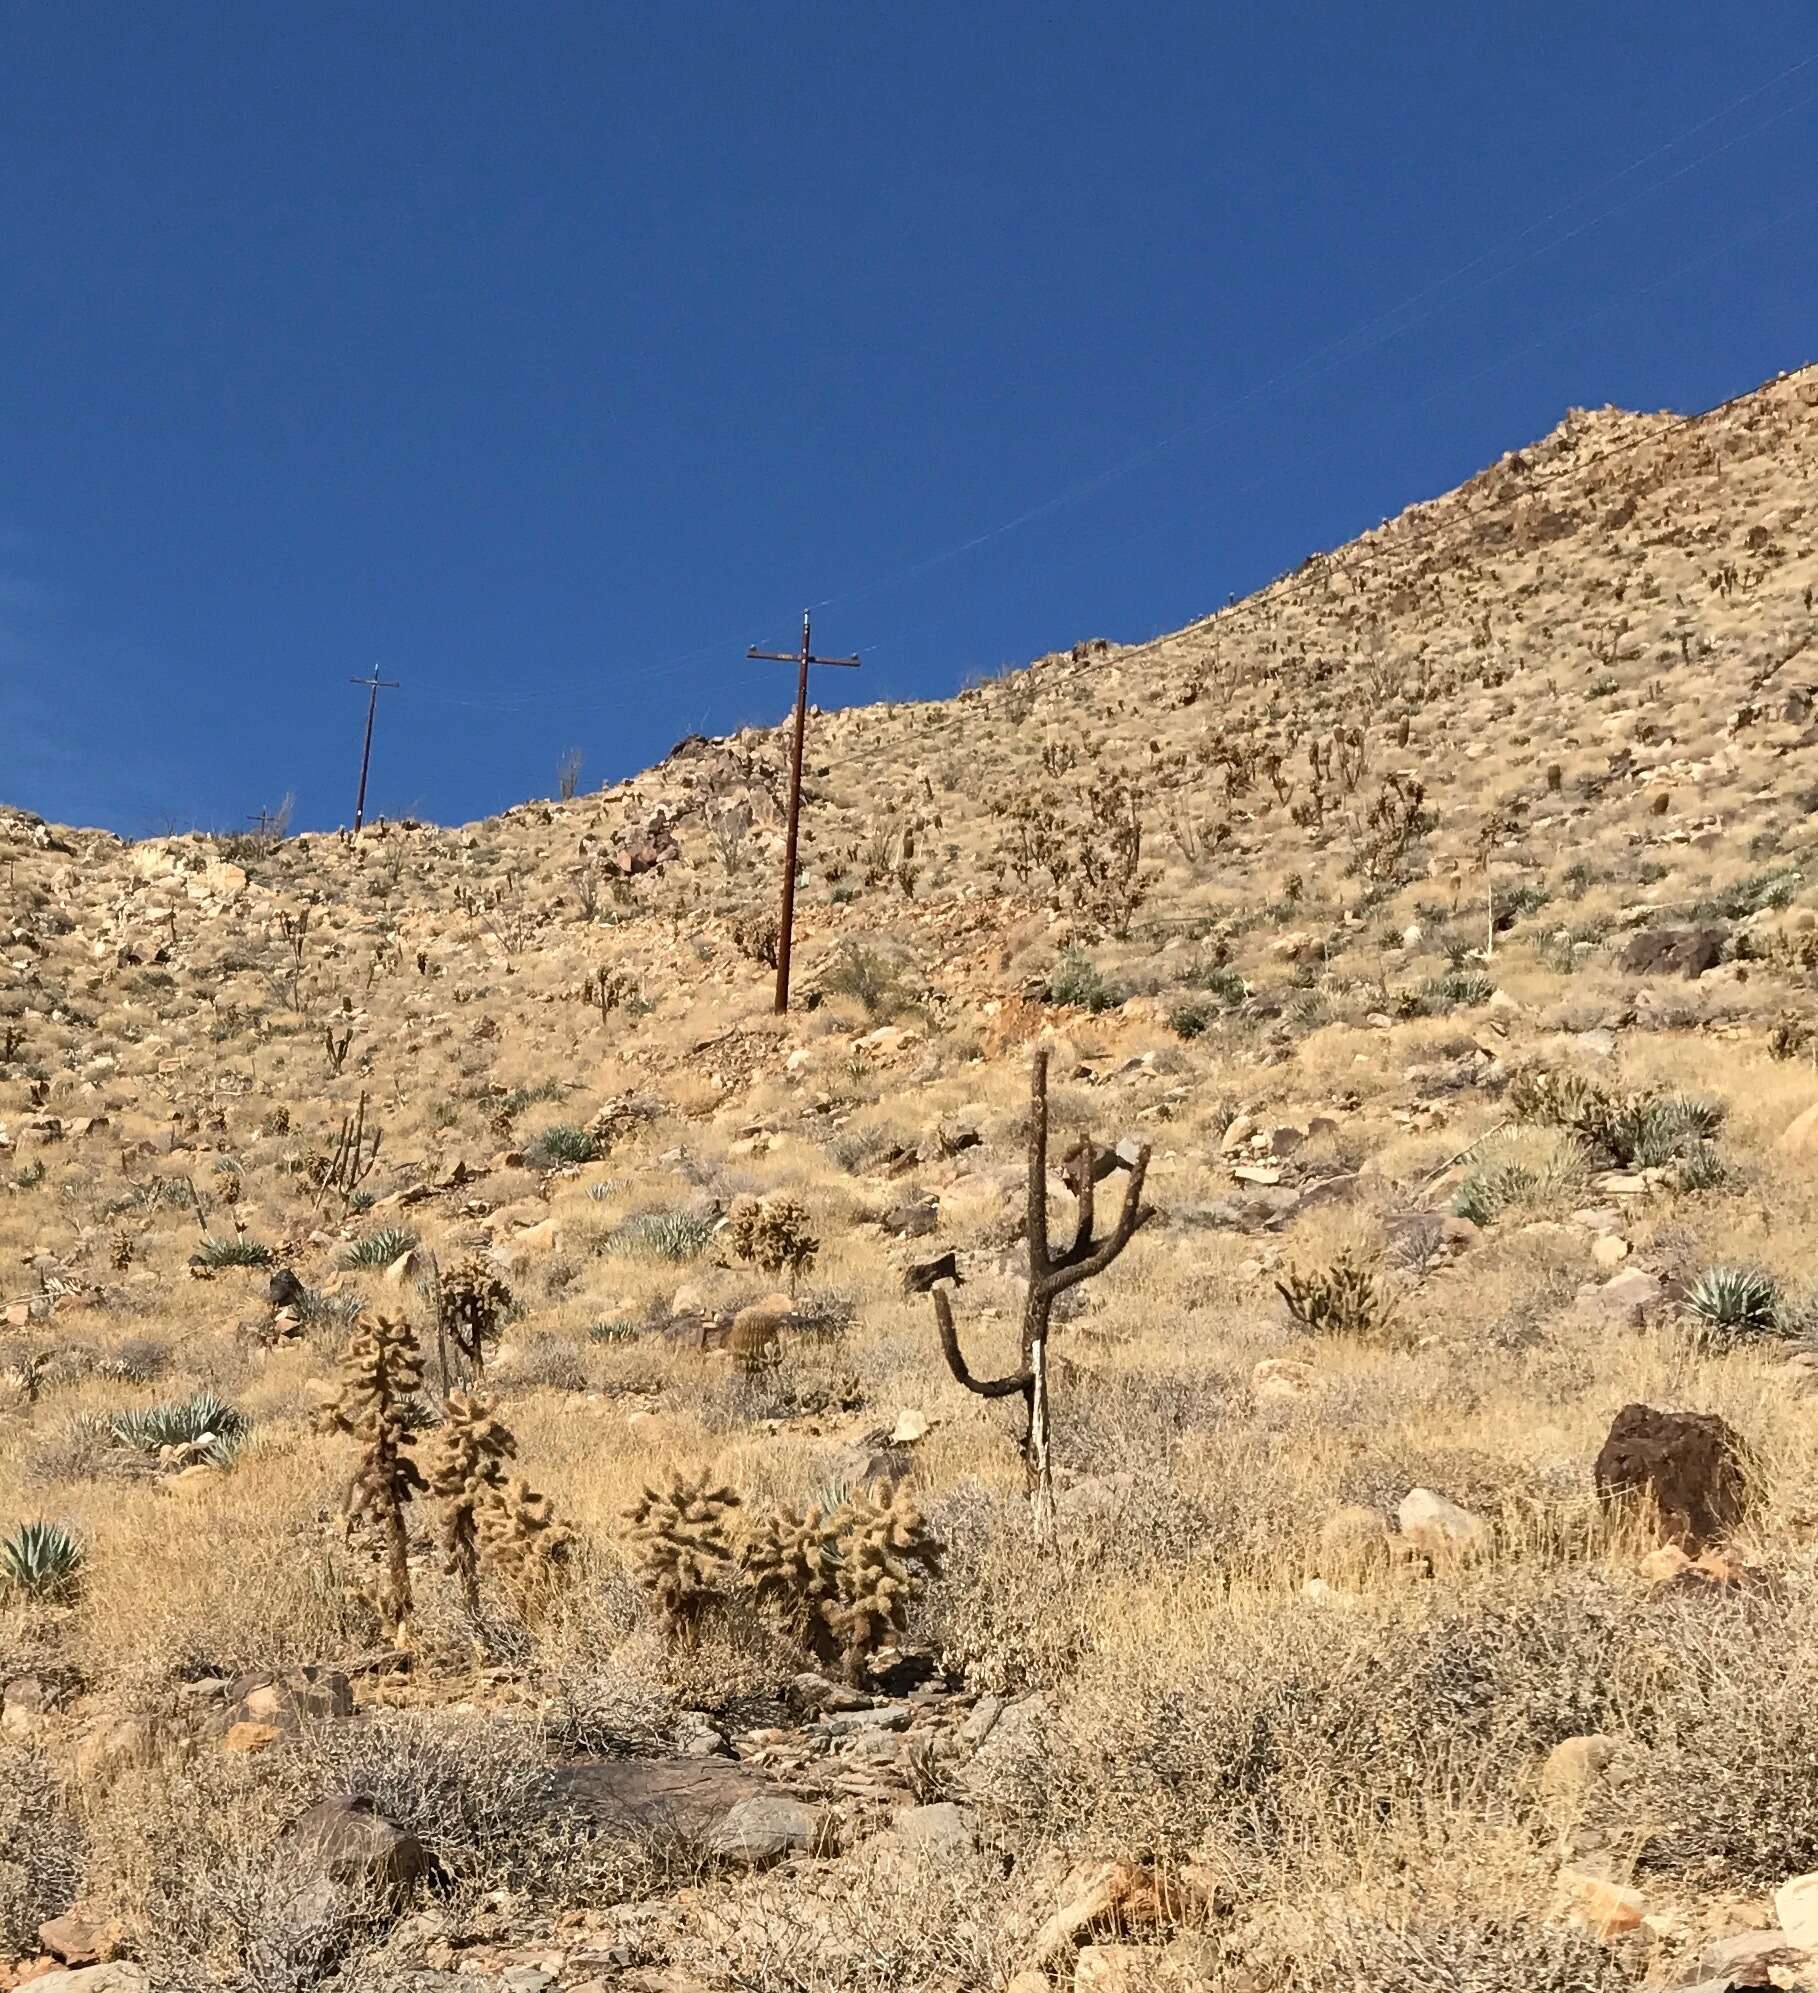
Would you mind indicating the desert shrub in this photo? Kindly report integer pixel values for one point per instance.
(138, 1360)
(869, 977)
(1074, 980)
(219, 1254)
(1288, 1728)
(1191, 1019)
(314, 1306)
(42, 1560)
(546, 1363)
(551, 1148)
(672, 1235)
(41, 1850)
(379, 1249)
(840, 1578)
(1735, 1304)
(1459, 1953)
(1218, 979)
(824, 1314)
(1630, 1131)
(1521, 1173)
(1724, 1787)
(773, 1234)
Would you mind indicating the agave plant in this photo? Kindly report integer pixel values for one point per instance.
(380, 1248)
(1735, 1304)
(42, 1558)
(235, 1252)
(336, 1310)
(676, 1235)
(561, 1144)
(192, 1421)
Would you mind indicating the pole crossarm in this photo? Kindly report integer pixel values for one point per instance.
(374, 685)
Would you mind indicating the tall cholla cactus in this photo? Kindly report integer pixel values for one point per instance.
(680, 1551)
(380, 1369)
(466, 1460)
(489, 1516)
(841, 1581)
(473, 1299)
(773, 1233)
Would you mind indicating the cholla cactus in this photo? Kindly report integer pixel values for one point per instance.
(489, 1517)
(791, 1564)
(473, 1299)
(680, 1550)
(841, 1580)
(380, 1369)
(773, 1233)
(520, 1534)
(885, 1550)
(466, 1462)
(120, 1251)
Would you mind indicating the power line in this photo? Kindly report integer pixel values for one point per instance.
(1321, 360)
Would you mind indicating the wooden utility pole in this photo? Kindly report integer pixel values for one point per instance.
(374, 686)
(785, 927)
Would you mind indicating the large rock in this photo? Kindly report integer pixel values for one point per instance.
(1687, 1465)
(1801, 1136)
(350, 1845)
(759, 1831)
(1446, 1533)
(687, 1797)
(118, 1977)
(1796, 1905)
(288, 1701)
(1625, 1300)
(1673, 951)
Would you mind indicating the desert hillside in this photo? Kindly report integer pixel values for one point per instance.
(484, 1504)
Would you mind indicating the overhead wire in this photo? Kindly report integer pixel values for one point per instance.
(1324, 360)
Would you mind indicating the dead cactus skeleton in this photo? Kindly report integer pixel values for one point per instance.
(1051, 1274)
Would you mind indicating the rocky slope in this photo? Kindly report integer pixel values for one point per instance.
(1442, 918)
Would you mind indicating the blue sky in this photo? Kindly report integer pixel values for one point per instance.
(547, 355)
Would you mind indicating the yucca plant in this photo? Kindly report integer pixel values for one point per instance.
(676, 1235)
(336, 1310)
(379, 1249)
(552, 1147)
(235, 1252)
(40, 1558)
(616, 1331)
(1735, 1304)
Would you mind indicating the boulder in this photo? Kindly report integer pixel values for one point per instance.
(349, 1845)
(757, 1832)
(1673, 951)
(1623, 1300)
(1801, 1136)
(78, 1940)
(1282, 1378)
(942, 1831)
(1688, 1466)
(1796, 1905)
(1446, 1533)
(1102, 1899)
(119, 1977)
(287, 1701)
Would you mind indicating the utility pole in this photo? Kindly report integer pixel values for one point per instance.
(785, 927)
(374, 686)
